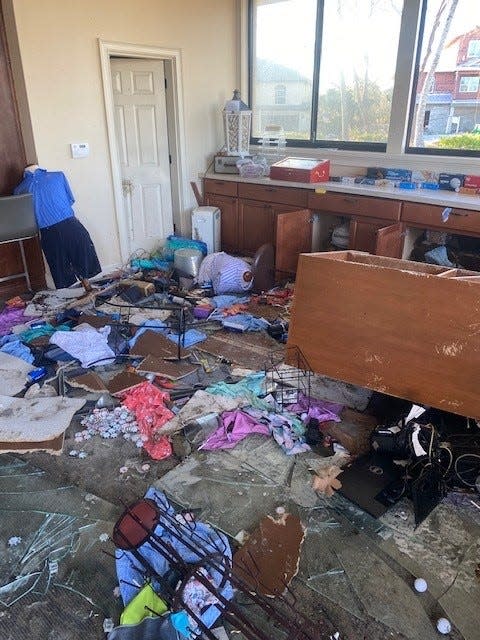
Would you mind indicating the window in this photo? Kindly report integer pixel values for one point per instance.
(336, 73)
(448, 45)
(280, 94)
(468, 84)
(473, 49)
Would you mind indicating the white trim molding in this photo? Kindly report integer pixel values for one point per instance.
(176, 119)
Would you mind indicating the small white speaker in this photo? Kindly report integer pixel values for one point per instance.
(206, 223)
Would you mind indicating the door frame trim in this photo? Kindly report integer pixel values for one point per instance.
(176, 129)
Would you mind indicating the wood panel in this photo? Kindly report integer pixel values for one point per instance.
(12, 164)
(294, 236)
(374, 237)
(257, 225)
(275, 195)
(430, 216)
(395, 326)
(352, 205)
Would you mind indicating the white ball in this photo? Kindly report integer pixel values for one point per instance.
(420, 585)
(443, 625)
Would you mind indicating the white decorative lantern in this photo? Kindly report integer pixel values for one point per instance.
(237, 122)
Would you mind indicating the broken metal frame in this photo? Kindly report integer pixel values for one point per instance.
(282, 612)
(182, 324)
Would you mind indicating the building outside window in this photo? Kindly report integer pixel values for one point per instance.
(328, 71)
(280, 94)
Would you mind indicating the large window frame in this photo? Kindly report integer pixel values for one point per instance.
(404, 92)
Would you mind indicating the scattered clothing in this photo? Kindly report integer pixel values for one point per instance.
(86, 344)
(147, 403)
(12, 345)
(321, 410)
(226, 301)
(234, 427)
(189, 338)
(251, 384)
(145, 604)
(9, 318)
(38, 332)
(202, 539)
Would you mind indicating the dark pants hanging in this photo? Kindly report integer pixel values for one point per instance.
(69, 251)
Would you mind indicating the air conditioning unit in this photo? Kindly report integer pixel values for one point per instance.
(206, 227)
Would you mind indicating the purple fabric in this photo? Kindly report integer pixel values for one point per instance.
(320, 409)
(10, 318)
(235, 426)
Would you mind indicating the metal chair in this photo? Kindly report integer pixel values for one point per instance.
(17, 223)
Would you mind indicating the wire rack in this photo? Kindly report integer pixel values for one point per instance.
(293, 380)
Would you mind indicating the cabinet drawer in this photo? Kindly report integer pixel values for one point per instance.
(352, 205)
(431, 216)
(221, 187)
(277, 195)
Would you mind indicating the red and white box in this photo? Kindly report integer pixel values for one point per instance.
(301, 170)
(472, 182)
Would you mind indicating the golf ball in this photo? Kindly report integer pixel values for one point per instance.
(420, 585)
(443, 625)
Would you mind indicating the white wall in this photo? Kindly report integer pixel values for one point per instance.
(58, 45)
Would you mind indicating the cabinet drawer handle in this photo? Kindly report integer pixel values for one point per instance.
(350, 200)
(270, 189)
(459, 213)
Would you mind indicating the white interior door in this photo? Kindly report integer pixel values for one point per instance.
(142, 141)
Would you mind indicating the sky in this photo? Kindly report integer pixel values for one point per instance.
(286, 31)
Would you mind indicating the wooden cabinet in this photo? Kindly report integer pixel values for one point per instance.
(462, 221)
(374, 237)
(348, 205)
(257, 225)
(275, 195)
(254, 214)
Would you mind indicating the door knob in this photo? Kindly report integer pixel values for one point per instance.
(127, 187)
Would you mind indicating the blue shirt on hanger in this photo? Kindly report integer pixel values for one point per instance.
(52, 196)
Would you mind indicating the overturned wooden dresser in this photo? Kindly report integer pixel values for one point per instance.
(403, 328)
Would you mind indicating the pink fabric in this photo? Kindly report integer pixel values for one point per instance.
(320, 409)
(235, 426)
(147, 402)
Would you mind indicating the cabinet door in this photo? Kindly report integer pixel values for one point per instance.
(376, 237)
(257, 225)
(229, 220)
(293, 236)
(390, 241)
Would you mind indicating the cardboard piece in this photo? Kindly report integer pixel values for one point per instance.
(152, 343)
(124, 381)
(270, 558)
(90, 381)
(36, 424)
(13, 374)
(166, 368)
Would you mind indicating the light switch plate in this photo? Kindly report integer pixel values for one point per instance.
(80, 149)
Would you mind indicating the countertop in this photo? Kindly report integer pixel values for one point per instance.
(423, 196)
